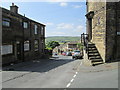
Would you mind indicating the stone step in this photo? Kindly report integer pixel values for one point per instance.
(92, 48)
(96, 60)
(95, 55)
(96, 63)
(91, 58)
(93, 52)
(90, 43)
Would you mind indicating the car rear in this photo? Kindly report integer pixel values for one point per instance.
(77, 55)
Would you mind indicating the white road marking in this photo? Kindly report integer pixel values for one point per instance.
(68, 85)
(76, 72)
(80, 63)
(72, 80)
(74, 76)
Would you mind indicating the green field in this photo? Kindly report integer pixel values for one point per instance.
(62, 39)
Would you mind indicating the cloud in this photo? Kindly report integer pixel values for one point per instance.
(55, 33)
(49, 23)
(52, 0)
(77, 6)
(79, 28)
(65, 29)
(65, 26)
(63, 4)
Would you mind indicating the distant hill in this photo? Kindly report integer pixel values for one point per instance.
(62, 39)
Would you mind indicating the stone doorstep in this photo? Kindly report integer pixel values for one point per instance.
(87, 62)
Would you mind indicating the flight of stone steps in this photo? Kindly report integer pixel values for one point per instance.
(94, 55)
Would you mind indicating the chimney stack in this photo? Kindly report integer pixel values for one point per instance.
(14, 8)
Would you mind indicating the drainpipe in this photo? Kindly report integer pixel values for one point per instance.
(23, 39)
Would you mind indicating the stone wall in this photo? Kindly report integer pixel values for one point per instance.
(99, 26)
(0, 35)
(113, 27)
(118, 31)
(111, 30)
(106, 28)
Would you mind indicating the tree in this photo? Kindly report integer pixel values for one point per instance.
(52, 44)
(80, 46)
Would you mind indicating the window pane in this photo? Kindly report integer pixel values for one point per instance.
(25, 25)
(6, 19)
(6, 49)
(35, 29)
(36, 45)
(6, 23)
(26, 46)
(42, 29)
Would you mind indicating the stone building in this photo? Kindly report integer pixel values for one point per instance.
(72, 45)
(103, 28)
(69, 46)
(22, 38)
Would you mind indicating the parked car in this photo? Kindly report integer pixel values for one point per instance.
(68, 54)
(55, 54)
(77, 55)
(64, 53)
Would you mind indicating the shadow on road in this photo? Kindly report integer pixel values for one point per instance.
(38, 65)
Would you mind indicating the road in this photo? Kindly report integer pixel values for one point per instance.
(59, 72)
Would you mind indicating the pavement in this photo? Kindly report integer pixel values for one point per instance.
(101, 67)
(101, 76)
(60, 72)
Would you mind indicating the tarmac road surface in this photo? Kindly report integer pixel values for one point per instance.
(59, 72)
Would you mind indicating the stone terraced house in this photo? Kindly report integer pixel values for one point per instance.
(22, 38)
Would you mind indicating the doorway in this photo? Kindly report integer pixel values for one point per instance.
(19, 51)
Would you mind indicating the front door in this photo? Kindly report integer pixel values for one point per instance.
(19, 51)
(89, 31)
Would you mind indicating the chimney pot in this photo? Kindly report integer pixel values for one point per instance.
(12, 4)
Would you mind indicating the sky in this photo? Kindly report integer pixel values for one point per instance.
(60, 18)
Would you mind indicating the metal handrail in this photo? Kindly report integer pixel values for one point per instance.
(84, 41)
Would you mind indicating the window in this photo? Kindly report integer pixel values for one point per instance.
(42, 41)
(36, 31)
(42, 30)
(36, 45)
(6, 22)
(26, 46)
(25, 25)
(6, 49)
